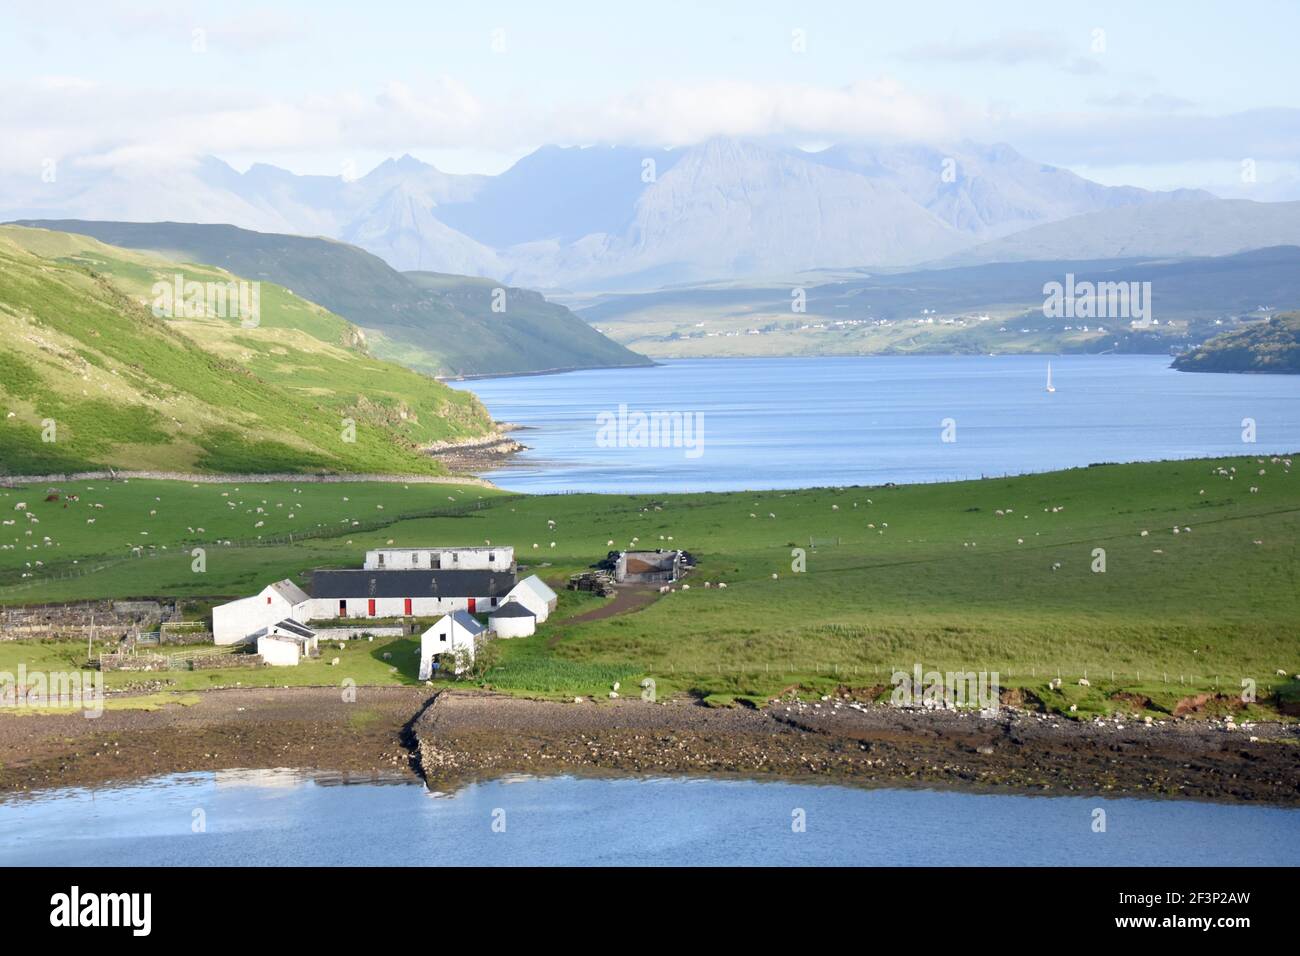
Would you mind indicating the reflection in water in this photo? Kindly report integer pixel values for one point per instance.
(287, 817)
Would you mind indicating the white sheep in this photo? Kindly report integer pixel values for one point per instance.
(21, 506)
(722, 584)
(1083, 682)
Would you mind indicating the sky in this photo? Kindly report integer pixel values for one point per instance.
(1156, 94)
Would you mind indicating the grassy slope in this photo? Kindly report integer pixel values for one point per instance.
(448, 328)
(133, 391)
(1272, 346)
(946, 584)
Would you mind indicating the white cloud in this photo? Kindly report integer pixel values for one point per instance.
(74, 120)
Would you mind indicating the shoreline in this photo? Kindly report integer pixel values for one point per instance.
(14, 481)
(450, 738)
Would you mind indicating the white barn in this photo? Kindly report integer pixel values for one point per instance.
(409, 593)
(484, 558)
(286, 642)
(450, 634)
(534, 593)
(512, 619)
(237, 622)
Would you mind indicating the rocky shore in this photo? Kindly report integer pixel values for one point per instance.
(467, 735)
(453, 736)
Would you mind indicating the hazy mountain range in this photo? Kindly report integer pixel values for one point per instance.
(627, 218)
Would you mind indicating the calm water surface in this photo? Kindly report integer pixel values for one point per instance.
(282, 817)
(797, 422)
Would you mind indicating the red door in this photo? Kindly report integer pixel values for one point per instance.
(408, 607)
(370, 607)
(471, 605)
(343, 607)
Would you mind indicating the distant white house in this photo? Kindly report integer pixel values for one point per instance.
(238, 622)
(451, 634)
(533, 593)
(285, 643)
(485, 558)
(512, 619)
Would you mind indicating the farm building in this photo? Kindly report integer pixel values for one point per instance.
(451, 634)
(649, 567)
(240, 621)
(406, 593)
(533, 593)
(441, 559)
(286, 642)
(512, 619)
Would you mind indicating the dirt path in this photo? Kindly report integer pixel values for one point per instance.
(628, 598)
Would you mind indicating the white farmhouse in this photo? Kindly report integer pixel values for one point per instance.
(512, 619)
(286, 642)
(533, 593)
(240, 621)
(451, 634)
(407, 593)
(440, 559)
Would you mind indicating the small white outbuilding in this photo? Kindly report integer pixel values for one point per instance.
(512, 619)
(534, 593)
(285, 643)
(455, 635)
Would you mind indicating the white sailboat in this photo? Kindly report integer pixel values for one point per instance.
(1050, 386)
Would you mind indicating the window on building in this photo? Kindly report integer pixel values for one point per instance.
(381, 559)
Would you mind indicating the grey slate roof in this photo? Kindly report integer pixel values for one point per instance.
(512, 609)
(293, 627)
(289, 591)
(412, 584)
(467, 621)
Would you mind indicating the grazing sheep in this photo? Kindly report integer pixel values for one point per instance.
(334, 661)
(609, 543)
(664, 589)
(686, 587)
(1083, 682)
(722, 584)
(1145, 533)
(21, 506)
(1054, 683)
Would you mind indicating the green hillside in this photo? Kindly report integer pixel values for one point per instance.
(442, 325)
(1000, 574)
(1272, 346)
(125, 389)
(972, 310)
